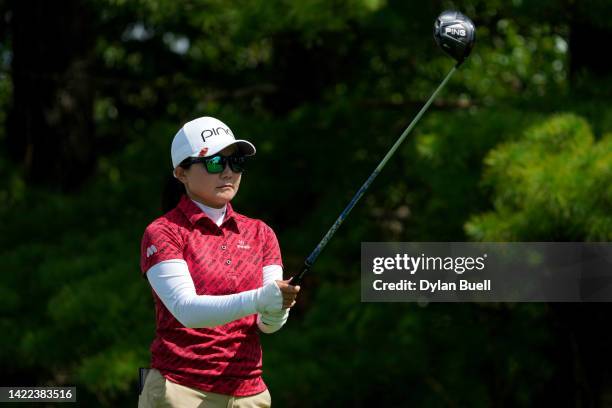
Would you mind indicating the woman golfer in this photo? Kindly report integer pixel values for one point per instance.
(216, 277)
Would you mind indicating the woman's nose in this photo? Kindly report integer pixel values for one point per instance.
(227, 172)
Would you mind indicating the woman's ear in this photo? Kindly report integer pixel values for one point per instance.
(179, 174)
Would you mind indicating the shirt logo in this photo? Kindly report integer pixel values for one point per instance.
(151, 250)
(241, 245)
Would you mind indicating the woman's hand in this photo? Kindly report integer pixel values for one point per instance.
(288, 291)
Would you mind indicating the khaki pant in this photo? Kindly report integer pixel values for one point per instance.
(158, 392)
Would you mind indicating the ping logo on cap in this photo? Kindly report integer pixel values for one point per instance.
(206, 133)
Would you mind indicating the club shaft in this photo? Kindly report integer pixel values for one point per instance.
(297, 279)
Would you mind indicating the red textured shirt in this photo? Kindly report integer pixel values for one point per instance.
(222, 260)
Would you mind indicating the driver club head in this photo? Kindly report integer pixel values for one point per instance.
(455, 33)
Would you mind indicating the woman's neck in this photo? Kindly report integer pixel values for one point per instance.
(215, 214)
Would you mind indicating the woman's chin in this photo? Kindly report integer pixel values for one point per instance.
(225, 196)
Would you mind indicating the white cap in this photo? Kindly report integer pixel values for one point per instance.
(203, 137)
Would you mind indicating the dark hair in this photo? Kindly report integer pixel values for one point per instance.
(173, 190)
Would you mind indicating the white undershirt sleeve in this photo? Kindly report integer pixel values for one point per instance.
(272, 322)
(272, 273)
(172, 282)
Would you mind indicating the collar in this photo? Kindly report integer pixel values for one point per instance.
(194, 214)
(213, 213)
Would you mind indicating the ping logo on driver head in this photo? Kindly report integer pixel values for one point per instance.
(206, 133)
(455, 30)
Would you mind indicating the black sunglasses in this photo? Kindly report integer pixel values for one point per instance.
(216, 164)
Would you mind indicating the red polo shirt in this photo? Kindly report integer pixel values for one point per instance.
(222, 260)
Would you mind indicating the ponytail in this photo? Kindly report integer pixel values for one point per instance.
(171, 193)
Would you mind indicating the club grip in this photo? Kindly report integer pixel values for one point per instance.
(297, 279)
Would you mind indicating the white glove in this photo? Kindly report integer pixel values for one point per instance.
(268, 298)
(275, 318)
(272, 321)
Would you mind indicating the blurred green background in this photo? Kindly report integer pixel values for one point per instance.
(518, 147)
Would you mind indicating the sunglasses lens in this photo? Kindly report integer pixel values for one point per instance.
(237, 163)
(215, 164)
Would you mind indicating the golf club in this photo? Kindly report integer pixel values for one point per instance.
(455, 33)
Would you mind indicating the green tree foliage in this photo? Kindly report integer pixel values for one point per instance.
(553, 183)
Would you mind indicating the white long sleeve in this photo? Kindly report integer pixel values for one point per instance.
(272, 322)
(172, 282)
(272, 273)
